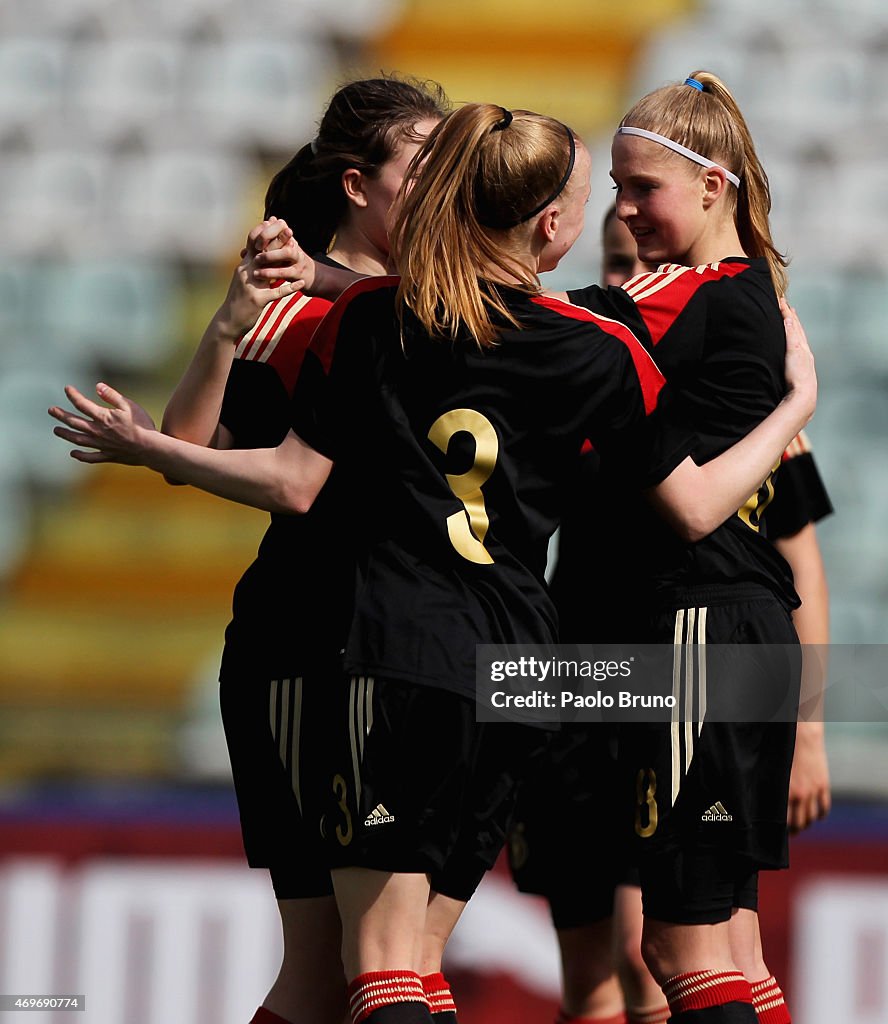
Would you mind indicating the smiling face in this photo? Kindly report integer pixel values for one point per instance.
(660, 199)
(619, 254)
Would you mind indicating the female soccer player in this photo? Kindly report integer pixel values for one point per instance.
(712, 797)
(454, 400)
(585, 880)
(284, 640)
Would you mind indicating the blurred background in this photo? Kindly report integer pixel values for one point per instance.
(137, 140)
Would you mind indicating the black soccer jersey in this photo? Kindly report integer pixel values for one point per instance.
(456, 460)
(292, 606)
(717, 334)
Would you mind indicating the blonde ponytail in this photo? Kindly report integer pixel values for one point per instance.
(463, 219)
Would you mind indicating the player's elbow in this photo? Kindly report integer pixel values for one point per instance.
(690, 522)
(694, 528)
(294, 499)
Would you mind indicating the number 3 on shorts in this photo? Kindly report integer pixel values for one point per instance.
(340, 788)
(646, 804)
(467, 535)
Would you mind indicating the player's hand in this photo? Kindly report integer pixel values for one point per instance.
(252, 287)
(801, 376)
(272, 233)
(288, 263)
(118, 432)
(809, 792)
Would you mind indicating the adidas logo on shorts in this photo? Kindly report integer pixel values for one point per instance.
(379, 816)
(716, 812)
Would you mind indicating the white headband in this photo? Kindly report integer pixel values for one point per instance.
(689, 153)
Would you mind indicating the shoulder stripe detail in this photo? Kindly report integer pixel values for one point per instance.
(663, 296)
(281, 326)
(640, 289)
(658, 285)
(649, 375)
(267, 313)
(639, 280)
(323, 341)
(272, 324)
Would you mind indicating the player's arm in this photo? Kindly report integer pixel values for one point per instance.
(192, 413)
(284, 479)
(694, 499)
(809, 789)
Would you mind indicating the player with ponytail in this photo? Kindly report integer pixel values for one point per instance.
(693, 193)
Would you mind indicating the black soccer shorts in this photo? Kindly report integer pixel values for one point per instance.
(417, 785)
(565, 841)
(271, 727)
(712, 790)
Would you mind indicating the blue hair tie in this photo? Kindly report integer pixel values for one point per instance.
(694, 83)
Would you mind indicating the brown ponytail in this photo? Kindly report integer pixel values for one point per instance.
(465, 216)
(710, 123)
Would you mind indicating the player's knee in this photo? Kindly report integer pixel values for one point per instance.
(631, 967)
(657, 956)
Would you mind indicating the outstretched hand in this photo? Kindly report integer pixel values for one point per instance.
(117, 431)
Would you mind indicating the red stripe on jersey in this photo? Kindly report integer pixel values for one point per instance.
(261, 338)
(255, 331)
(662, 297)
(289, 349)
(649, 376)
(323, 342)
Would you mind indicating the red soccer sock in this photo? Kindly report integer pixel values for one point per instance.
(640, 1015)
(377, 989)
(263, 1016)
(767, 999)
(562, 1018)
(699, 990)
(437, 991)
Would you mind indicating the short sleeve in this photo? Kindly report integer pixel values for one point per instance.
(800, 496)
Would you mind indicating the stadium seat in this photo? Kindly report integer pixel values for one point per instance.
(181, 203)
(32, 79)
(257, 91)
(355, 19)
(672, 55)
(820, 84)
(33, 17)
(25, 395)
(122, 315)
(54, 200)
(125, 86)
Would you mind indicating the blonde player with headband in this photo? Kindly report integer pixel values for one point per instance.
(711, 797)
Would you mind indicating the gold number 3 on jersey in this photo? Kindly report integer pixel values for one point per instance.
(468, 529)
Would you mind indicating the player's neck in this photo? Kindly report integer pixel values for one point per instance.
(353, 250)
(717, 243)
